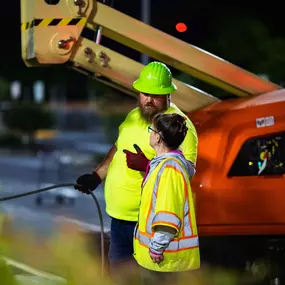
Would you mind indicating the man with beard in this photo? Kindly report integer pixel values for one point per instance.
(125, 164)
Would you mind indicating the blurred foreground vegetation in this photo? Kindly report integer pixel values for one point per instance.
(67, 255)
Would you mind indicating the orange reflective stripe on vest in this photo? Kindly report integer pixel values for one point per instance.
(187, 239)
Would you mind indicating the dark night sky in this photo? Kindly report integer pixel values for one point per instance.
(200, 16)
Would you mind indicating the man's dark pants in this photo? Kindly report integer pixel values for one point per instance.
(120, 255)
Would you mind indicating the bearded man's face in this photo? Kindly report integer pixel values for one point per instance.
(150, 105)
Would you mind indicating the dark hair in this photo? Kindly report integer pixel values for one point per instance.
(172, 128)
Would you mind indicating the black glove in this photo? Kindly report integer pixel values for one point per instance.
(88, 181)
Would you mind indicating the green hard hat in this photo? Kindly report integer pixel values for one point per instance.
(156, 79)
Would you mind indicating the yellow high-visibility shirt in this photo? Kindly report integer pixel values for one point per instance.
(123, 185)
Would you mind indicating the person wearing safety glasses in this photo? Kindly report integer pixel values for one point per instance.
(166, 239)
(123, 168)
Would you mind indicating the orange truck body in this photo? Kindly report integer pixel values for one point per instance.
(230, 204)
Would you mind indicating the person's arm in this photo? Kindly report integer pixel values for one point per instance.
(161, 239)
(90, 181)
(102, 168)
(163, 235)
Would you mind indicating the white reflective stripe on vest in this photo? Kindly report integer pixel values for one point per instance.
(171, 219)
(187, 228)
(175, 245)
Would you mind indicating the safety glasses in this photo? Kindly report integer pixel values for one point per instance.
(150, 129)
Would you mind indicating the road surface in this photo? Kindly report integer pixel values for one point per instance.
(22, 173)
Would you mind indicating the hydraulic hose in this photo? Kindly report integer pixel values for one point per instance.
(69, 185)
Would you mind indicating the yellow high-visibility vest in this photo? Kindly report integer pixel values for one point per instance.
(167, 200)
(123, 185)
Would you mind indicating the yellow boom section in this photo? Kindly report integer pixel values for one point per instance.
(51, 34)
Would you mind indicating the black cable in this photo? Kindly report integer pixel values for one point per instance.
(69, 185)
(36, 191)
(102, 232)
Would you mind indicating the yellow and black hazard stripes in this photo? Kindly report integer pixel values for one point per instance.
(54, 22)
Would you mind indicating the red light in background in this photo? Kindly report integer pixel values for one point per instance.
(181, 27)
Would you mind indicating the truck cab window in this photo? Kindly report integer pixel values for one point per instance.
(261, 156)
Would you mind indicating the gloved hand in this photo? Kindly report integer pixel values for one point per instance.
(88, 181)
(136, 161)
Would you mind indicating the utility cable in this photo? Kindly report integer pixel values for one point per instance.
(69, 185)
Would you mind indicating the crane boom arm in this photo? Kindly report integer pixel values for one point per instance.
(52, 34)
(124, 71)
(179, 54)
